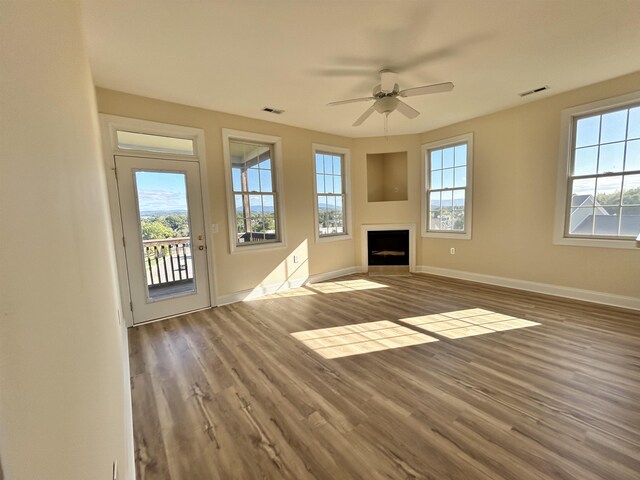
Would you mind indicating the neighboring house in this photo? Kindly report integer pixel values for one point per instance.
(587, 221)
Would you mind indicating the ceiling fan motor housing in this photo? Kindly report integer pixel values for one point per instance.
(378, 93)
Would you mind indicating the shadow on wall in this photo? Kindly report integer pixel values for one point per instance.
(292, 272)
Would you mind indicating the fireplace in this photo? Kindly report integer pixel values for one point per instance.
(388, 247)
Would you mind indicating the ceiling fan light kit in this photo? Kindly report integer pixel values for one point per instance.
(386, 104)
(385, 97)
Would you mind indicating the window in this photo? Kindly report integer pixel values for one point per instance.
(154, 143)
(601, 173)
(447, 186)
(331, 181)
(253, 177)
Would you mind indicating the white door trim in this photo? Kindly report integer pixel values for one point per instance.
(109, 124)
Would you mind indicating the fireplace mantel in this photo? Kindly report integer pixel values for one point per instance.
(365, 228)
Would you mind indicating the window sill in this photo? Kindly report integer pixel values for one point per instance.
(598, 242)
(257, 247)
(448, 235)
(332, 238)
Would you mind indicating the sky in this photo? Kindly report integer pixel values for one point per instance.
(608, 143)
(161, 191)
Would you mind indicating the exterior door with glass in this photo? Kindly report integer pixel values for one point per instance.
(164, 236)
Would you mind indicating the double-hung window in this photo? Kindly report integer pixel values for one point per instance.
(601, 173)
(447, 184)
(253, 168)
(332, 213)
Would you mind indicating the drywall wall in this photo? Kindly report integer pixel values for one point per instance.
(387, 177)
(395, 176)
(515, 170)
(516, 155)
(515, 167)
(64, 401)
(365, 212)
(250, 270)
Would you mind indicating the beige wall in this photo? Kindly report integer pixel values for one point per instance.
(365, 212)
(64, 401)
(375, 177)
(386, 177)
(395, 175)
(515, 164)
(516, 155)
(248, 270)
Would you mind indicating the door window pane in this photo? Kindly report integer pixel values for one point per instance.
(166, 234)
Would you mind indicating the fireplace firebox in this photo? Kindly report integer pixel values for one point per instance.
(388, 247)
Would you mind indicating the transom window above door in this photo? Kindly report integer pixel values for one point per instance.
(154, 143)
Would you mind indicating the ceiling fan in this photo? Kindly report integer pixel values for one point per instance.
(385, 96)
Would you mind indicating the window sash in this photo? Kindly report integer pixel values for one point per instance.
(429, 190)
(252, 214)
(343, 196)
(246, 214)
(343, 193)
(593, 235)
(623, 173)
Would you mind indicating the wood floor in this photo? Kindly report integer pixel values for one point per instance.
(230, 393)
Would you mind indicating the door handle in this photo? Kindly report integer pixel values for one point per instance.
(201, 247)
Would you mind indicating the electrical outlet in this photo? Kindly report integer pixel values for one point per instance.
(214, 228)
(453, 250)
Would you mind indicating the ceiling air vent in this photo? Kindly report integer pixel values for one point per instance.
(277, 111)
(535, 90)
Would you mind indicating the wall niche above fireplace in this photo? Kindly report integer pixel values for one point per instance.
(387, 177)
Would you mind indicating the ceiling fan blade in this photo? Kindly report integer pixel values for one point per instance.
(364, 116)
(435, 88)
(353, 100)
(387, 80)
(406, 110)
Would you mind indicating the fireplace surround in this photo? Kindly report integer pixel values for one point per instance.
(388, 246)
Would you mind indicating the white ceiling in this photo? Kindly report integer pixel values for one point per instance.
(239, 56)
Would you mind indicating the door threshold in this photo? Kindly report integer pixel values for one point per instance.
(170, 316)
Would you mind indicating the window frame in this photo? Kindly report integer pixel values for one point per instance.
(568, 119)
(278, 182)
(465, 234)
(345, 153)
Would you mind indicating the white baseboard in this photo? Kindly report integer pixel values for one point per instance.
(621, 301)
(262, 290)
(321, 277)
(545, 288)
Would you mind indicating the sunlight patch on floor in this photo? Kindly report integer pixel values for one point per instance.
(467, 323)
(345, 286)
(360, 338)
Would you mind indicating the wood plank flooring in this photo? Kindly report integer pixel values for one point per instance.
(229, 393)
